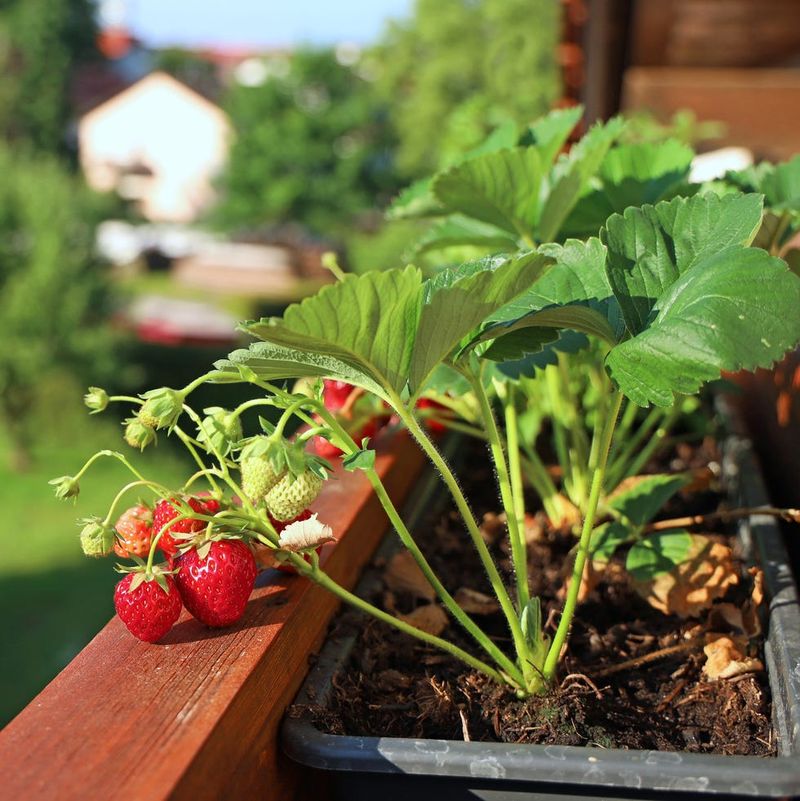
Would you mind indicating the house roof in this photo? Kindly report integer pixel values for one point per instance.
(154, 79)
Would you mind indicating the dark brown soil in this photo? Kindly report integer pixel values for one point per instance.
(397, 686)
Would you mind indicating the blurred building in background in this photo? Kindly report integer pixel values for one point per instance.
(157, 143)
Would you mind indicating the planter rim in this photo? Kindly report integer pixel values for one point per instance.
(551, 766)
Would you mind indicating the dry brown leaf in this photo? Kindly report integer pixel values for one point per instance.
(744, 618)
(726, 658)
(403, 575)
(692, 586)
(569, 514)
(475, 603)
(430, 618)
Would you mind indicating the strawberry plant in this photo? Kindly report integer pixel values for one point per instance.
(669, 294)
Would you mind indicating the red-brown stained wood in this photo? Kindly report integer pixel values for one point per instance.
(197, 715)
(760, 107)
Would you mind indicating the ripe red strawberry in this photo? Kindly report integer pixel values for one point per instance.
(335, 393)
(434, 426)
(168, 510)
(215, 589)
(147, 611)
(134, 532)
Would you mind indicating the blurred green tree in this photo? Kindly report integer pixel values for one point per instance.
(458, 68)
(41, 41)
(313, 145)
(53, 292)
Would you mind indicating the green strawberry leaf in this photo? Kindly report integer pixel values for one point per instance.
(458, 230)
(649, 247)
(572, 175)
(416, 200)
(641, 498)
(363, 459)
(657, 554)
(573, 294)
(549, 133)
(458, 301)
(606, 538)
(500, 188)
(631, 175)
(365, 322)
(526, 365)
(268, 362)
(731, 311)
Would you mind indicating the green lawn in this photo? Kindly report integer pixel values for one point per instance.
(53, 599)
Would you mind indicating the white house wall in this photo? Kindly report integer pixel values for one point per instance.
(158, 123)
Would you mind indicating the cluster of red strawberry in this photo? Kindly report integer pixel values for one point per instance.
(212, 580)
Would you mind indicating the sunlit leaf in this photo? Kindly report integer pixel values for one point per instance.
(500, 188)
(649, 247)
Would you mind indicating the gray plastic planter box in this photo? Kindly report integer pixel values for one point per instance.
(389, 769)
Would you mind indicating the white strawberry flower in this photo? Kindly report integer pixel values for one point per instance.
(305, 535)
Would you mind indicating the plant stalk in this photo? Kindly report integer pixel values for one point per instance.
(567, 613)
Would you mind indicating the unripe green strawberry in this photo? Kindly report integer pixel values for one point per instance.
(290, 496)
(258, 477)
(138, 435)
(96, 539)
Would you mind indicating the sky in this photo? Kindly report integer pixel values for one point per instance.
(256, 22)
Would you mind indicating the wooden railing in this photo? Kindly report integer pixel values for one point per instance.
(197, 715)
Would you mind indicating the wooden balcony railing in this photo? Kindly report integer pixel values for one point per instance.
(197, 715)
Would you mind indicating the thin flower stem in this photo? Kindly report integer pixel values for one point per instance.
(515, 469)
(567, 613)
(158, 489)
(186, 440)
(657, 441)
(620, 466)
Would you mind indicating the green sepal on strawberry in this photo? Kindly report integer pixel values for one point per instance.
(161, 408)
(137, 434)
(299, 486)
(175, 535)
(215, 580)
(147, 602)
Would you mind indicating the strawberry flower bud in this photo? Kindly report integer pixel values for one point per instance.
(66, 487)
(96, 539)
(162, 408)
(96, 399)
(138, 435)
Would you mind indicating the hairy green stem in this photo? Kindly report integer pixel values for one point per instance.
(518, 554)
(567, 613)
(499, 588)
(348, 445)
(620, 463)
(324, 580)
